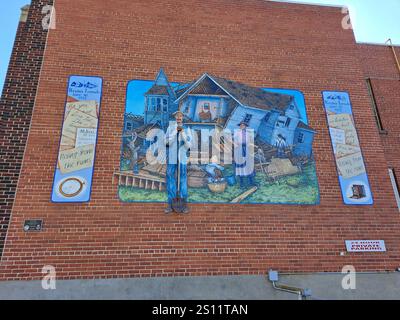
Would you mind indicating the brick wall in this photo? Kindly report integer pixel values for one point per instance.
(264, 44)
(379, 64)
(16, 107)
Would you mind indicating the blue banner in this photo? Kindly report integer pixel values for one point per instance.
(353, 176)
(75, 162)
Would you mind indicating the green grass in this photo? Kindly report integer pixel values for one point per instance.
(297, 189)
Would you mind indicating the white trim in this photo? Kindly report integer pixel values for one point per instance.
(381, 44)
(191, 87)
(227, 92)
(201, 79)
(395, 188)
(207, 95)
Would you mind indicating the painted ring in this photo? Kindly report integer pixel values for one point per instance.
(72, 194)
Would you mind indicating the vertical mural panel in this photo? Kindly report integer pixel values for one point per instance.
(75, 162)
(353, 176)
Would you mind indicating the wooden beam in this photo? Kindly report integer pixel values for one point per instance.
(244, 195)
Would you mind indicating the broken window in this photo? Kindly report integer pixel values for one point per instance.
(165, 104)
(186, 109)
(158, 104)
(280, 123)
(300, 138)
(247, 118)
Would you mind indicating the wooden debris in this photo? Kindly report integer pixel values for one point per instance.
(141, 180)
(281, 168)
(244, 195)
(156, 169)
(197, 179)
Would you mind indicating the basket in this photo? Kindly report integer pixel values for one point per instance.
(217, 187)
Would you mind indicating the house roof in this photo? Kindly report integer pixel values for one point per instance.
(158, 90)
(134, 117)
(143, 130)
(181, 89)
(242, 93)
(302, 125)
(209, 87)
(254, 97)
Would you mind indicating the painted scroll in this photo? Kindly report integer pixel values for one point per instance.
(75, 163)
(353, 176)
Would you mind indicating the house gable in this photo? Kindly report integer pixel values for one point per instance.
(292, 110)
(161, 86)
(161, 79)
(206, 82)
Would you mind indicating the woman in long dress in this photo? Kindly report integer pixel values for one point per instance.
(244, 155)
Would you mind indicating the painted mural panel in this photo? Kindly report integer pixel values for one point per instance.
(284, 169)
(75, 163)
(353, 176)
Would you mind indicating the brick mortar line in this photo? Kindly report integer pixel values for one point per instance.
(51, 2)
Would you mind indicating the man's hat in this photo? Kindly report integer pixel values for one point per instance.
(178, 112)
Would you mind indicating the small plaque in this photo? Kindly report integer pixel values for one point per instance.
(365, 246)
(33, 225)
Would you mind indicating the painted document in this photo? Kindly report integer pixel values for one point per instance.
(75, 164)
(353, 176)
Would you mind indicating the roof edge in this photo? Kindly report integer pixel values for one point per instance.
(377, 44)
(310, 4)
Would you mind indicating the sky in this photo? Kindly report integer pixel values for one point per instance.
(373, 21)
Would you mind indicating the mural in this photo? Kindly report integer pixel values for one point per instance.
(284, 168)
(74, 172)
(353, 176)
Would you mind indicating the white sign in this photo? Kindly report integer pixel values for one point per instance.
(338, 136)
(85, 137)
(365, 246)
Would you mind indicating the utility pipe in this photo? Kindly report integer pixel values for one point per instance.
(389, 42)
(274, 277)
(284, 288)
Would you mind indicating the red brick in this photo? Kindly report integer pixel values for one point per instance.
(265, 44)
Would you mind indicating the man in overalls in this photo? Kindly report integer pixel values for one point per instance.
(177, 152)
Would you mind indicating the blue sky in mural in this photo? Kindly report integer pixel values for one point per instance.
(135, 95)
(137, 89)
